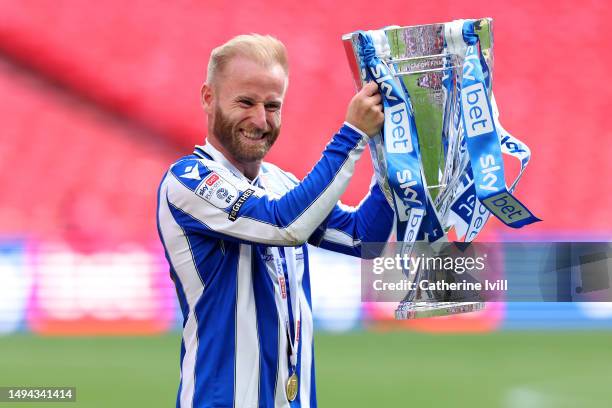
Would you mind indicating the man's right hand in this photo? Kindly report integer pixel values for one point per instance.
(365, 110)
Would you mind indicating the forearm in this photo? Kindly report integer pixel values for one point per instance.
(347, 230)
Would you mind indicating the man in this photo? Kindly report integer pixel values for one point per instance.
(235, 231)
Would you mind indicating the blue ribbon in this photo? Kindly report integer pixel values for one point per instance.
(482, 140)
(401, 144)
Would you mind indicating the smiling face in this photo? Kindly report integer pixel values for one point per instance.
(244, 109)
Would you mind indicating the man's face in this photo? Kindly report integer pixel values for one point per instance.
(245, 108)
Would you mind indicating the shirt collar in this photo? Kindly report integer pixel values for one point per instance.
(208, 151)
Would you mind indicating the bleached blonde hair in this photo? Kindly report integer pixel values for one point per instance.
(263, 49)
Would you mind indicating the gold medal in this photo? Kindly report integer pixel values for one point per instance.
(292, 387)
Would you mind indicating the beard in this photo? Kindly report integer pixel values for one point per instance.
(231, 135)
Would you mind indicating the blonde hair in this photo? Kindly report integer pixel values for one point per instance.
(263, 49)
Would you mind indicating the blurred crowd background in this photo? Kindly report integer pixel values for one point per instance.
(98, 98)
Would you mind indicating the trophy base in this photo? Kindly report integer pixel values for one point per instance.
(416, 310)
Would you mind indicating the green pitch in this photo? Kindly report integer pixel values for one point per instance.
(360, 369)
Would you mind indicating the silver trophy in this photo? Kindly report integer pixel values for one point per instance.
(426, 60)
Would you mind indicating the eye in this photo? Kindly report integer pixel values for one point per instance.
(273, 106)
(245, 103)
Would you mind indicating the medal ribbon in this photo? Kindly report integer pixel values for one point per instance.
(288, 293)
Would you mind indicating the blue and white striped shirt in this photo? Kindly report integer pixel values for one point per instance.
(219, 229)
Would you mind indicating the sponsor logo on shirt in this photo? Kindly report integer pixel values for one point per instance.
(192, 172)
(217, 191)
(210, 180)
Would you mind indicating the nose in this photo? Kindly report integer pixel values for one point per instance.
(259, 117)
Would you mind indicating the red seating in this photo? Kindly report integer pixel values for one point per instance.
(65, 165)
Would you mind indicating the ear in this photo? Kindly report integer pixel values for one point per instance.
(206, 97)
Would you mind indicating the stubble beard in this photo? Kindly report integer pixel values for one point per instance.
(229, 135)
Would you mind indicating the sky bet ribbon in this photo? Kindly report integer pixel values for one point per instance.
(483, 142)
(401, 144)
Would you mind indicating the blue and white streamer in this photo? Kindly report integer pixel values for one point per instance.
(400, 141)
(483, 142)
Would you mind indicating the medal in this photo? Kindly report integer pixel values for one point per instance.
(283, 294)
(292, 387)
